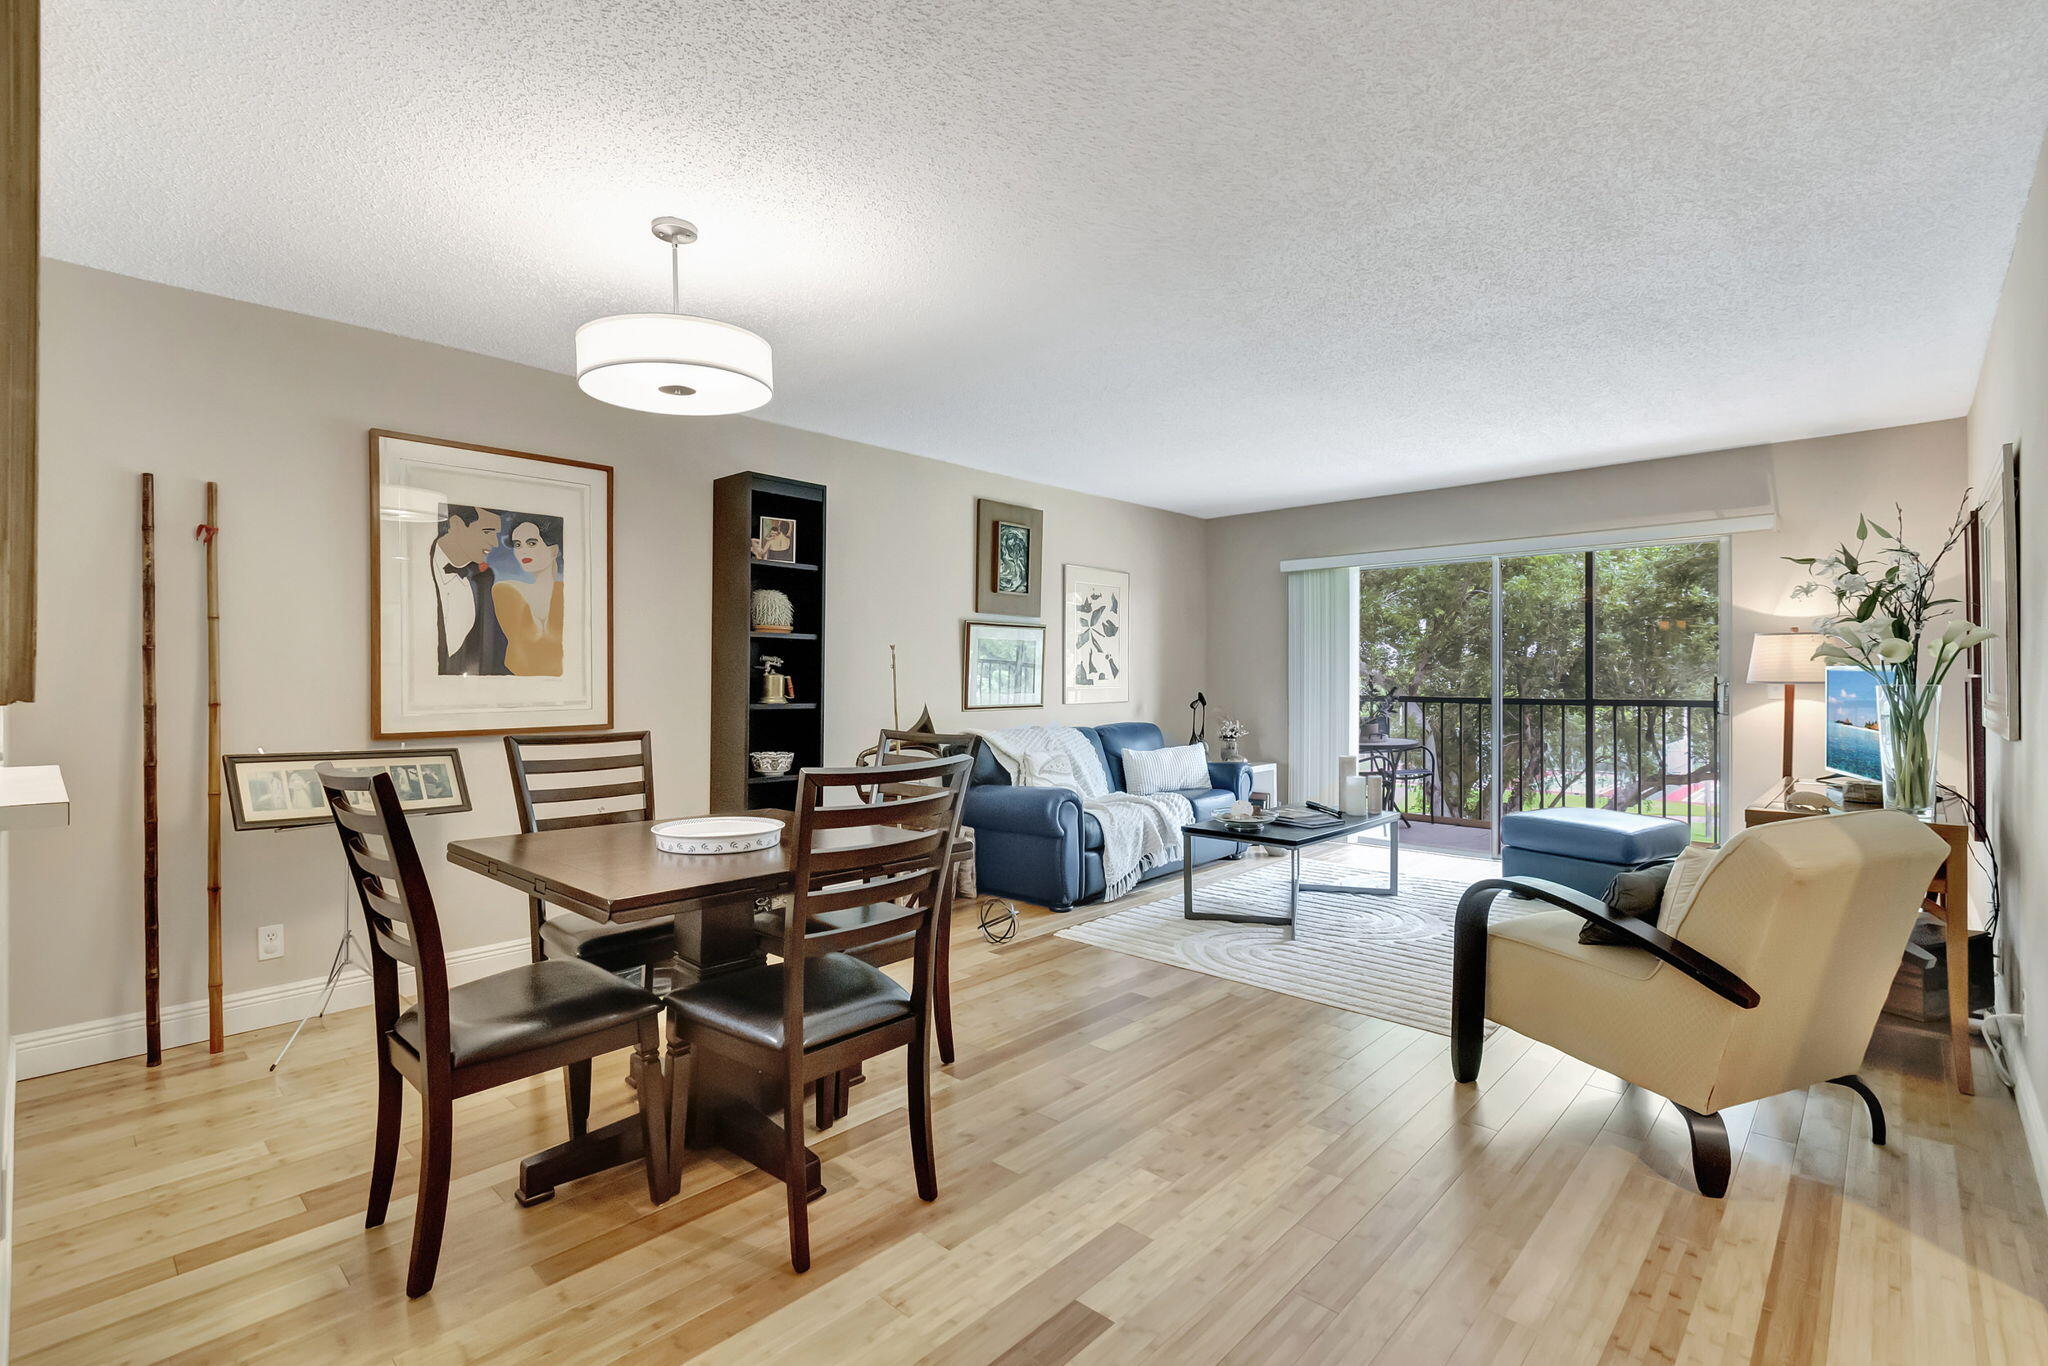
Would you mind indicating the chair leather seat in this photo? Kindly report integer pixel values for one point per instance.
(615, 948)
(842, 996)
(529, 1007)
(768, 924)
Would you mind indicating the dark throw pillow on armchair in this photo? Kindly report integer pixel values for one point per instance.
(1634, 895)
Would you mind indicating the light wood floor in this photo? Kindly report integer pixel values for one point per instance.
(1137, 1163)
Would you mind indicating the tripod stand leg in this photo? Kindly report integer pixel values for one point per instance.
(341, 956)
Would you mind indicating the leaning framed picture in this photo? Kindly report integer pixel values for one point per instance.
(491, 590)
(1002, 665)
(1095, 628)
(1997, 591)
(279, 791)
(1008, 554)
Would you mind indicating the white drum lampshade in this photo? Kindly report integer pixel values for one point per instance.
(1787, 657)
(673, 363)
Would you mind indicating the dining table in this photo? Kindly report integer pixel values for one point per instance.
(615, 874)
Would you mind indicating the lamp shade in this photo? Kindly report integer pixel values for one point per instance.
(673, 363)
(1787, 657)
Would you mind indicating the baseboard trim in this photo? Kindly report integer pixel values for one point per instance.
(96, 1041)
(2033, 1120)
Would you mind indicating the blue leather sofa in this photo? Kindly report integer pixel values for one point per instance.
(1036, 844)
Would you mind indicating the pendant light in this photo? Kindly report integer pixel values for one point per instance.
(671, 362)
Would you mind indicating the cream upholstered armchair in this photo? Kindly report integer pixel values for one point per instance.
(1768, 978)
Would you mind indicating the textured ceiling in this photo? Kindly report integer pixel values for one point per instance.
(1206, 255)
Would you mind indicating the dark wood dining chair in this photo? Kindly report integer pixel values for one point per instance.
(896, 747)
(456, 1041)
(625, 771)
(821, 1011)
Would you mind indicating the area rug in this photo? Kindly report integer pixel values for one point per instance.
(1388, 957)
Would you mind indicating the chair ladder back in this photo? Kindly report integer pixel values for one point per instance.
(907, 869)
(397, 903)
(611, 775)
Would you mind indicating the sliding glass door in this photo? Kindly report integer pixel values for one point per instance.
(1580, 678)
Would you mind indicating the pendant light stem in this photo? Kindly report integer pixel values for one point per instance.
(675, 277)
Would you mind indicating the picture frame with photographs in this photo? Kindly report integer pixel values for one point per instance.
(282, 791)
(1009, 554)
(490, 590)
(1002, 665)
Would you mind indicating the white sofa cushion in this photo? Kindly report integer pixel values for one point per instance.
(1165, 770)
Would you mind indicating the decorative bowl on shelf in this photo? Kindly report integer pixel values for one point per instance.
(718, 835)
(772, 763)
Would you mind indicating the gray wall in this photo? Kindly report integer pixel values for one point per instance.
(2012, 405)
(275, 406)
(1816, 486)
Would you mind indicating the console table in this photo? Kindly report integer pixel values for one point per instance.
(1948, 900)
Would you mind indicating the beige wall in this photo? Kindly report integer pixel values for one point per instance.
(2012, 405)
(275, 406)
(1820, 486)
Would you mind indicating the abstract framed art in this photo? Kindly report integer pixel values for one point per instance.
(1095, 628)
(490, 588)
(279, 791)
(1008, 555)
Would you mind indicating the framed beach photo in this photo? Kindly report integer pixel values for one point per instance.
(279, 791)
(490, 589)
(1095, 634)
(1002, 665)
(1008, 552)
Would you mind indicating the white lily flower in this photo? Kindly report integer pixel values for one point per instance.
(1852, 583)
(1975, 635)
(1894, 651)
(1833, 651)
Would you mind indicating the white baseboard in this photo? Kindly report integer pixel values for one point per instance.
(96, 1041)
(2033, 1120)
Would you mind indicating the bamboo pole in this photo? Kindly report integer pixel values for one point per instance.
(208, 532)
(152, 1020)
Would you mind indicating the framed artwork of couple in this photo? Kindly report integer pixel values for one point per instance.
(279, 791)
(491, 583)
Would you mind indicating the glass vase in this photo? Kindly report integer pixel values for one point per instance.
(1906, 732)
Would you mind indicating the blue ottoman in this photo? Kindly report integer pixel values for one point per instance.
(1584, 847)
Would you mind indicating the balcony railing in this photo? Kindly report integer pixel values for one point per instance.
(1626, 754)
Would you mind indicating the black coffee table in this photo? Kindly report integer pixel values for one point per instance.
(1294, 839)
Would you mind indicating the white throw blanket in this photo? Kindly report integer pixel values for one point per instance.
(1138, 833)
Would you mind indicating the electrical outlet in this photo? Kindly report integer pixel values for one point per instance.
(270, 942)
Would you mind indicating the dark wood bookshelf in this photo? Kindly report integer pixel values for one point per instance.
(741, 725)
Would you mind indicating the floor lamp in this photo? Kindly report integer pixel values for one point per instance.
(1786, 657)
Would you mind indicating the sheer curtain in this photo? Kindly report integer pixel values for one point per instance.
(1322, 679)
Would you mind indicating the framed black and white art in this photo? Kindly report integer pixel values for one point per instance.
(279, 791)
(490, 590)
(1008, 552)
(1002, 665)
(1095, 627)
